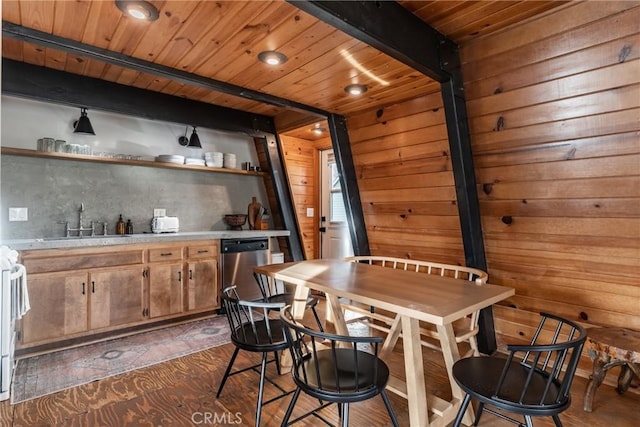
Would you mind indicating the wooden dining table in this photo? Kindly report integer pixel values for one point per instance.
(414, 297)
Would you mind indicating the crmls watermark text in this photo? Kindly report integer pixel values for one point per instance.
(214, 418)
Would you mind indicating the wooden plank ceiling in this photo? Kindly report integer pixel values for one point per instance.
(221, 40)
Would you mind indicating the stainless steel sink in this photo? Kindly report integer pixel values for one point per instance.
(48, 239)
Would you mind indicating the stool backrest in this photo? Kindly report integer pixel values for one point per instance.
(249, 321)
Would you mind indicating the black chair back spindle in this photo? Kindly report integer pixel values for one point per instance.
(334, 369)
(533, 380)
(253, 330)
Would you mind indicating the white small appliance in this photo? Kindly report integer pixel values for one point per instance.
(13, 304)
(165, 224)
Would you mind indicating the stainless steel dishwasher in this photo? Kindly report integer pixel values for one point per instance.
(239, 257)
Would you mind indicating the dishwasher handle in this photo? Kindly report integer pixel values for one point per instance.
(244, 245)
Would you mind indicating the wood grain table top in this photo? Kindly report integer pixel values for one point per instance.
(434, 299)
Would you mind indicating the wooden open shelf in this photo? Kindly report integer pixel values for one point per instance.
(95, 159)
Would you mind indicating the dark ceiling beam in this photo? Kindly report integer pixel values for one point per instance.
(46, 84)
(388, 27)
(279, 179)
(395, 31)
(349, 184)
(41, 38)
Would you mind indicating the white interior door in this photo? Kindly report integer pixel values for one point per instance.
(335, 241)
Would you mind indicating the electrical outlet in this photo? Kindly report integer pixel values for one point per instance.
(18, 214)
(159, 212)
(310, 212)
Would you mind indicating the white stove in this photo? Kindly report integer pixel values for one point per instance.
(11, 293)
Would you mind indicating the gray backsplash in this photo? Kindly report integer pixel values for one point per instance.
(53, 190)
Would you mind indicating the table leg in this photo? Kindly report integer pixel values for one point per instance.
(392, 338)
(297, 311)
(414, 370)
(299, 302)
(451, 356)
(338, 316)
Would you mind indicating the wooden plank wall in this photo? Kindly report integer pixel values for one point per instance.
(401, 155)
(554, 113)
(301, 163)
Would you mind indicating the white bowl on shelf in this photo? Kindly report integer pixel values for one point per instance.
(229, 161)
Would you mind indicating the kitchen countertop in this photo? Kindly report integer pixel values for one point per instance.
(77, 242)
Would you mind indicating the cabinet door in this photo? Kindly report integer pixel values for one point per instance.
(165, 289)
(116, 297)
(58, 306)
(203, 285)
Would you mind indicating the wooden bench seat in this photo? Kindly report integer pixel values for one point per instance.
(610, 347)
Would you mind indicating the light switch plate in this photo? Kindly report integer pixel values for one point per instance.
(310, 212)
(159, 212)
(18, 214)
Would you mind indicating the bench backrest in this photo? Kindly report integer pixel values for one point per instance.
(446, 270)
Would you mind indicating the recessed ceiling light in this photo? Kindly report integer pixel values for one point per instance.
(138, 9)
(318, 130)
(272, 57)
(355, 89)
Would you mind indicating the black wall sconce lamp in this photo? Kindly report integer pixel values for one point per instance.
(83, 124)
(192, 142)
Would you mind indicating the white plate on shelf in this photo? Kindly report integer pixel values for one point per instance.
(194, 162)
(170, 158)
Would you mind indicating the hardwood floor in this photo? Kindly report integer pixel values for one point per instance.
(181, 392)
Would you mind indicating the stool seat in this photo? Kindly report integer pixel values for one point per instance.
(610, 347)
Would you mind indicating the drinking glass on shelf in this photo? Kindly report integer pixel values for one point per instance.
(61, 146)
(49, 145)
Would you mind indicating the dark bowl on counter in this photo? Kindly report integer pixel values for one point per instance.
(235, 221)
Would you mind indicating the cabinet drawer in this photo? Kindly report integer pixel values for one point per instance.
(81, 261)
(202, 251)
(166, 254)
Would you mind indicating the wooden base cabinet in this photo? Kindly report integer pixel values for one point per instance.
(116, 297)
(165, 289)
(166, 281)
(183, 279)
(76, 293)
(58, 307)
(66, 303)
(202, 291)
(203, 288)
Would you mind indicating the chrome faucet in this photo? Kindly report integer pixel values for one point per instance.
(81, 215)
(81, 227)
